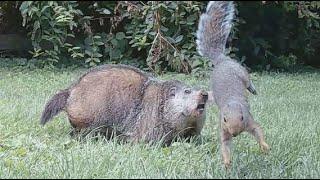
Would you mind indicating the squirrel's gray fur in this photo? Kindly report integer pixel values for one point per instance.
(214, 28)
(229, 80)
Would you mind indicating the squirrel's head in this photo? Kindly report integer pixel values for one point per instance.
(234, 118)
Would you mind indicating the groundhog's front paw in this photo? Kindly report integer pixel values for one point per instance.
(265, 147)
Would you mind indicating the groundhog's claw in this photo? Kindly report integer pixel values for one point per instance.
(264, 147)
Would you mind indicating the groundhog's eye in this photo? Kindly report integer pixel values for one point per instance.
(224, 119)
(187, 91)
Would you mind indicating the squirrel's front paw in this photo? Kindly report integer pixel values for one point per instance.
(227, 164)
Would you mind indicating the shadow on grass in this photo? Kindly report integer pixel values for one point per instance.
(297, 69)
(24, 65)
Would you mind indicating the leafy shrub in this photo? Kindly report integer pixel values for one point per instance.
(270, 32)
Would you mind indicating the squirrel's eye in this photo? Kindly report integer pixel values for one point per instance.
(187, 91)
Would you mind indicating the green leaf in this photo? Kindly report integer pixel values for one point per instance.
(44, 8)
(105, 11)
(115, 53)
(99, 43)
(36, 25)
(88, 41)
(35, 9)
(97, 37)
(179, 38)
(170, 39)
(80, 54)
(196, 63)
(152, 33)
(120, 35)
(67, 44)
(96, 60)
(88, 52)
(97, 55)
(144, 39)
(70, 35)
(256, 50)
(88, 60)
(24, 6)
(114, 42)
(75, 48)
(87, 17)
(58, 31)
(122, 45)
(164, 29)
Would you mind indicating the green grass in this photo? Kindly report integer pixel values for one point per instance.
(287, 107)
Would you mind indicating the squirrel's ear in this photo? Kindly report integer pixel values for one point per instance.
(172, 92)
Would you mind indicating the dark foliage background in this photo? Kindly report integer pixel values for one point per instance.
(160, 35)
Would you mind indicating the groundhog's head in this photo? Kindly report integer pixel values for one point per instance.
(234, 118)
(184, 107)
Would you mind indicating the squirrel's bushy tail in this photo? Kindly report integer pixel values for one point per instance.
(54, 106)
(214, 28)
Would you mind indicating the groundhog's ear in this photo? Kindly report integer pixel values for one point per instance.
(172, 92)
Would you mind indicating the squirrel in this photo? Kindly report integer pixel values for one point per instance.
(229, 80)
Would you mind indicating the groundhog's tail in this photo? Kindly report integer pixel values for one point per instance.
(214, 28)
(54, 106)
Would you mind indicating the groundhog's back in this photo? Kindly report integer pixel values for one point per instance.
(105, 97)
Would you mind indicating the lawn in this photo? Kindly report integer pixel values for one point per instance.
(287, 108)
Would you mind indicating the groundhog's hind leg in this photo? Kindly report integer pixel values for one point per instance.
(74, 132)
(87, 133)
(255, 130)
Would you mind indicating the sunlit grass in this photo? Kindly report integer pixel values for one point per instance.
(287, 108)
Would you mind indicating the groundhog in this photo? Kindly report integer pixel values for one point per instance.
(132, 104)
(229, 79)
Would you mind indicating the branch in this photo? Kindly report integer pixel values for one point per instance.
(151, 49)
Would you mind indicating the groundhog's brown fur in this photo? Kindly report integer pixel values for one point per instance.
(132, 104)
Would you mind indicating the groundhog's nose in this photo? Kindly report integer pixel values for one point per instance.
(204, 95)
